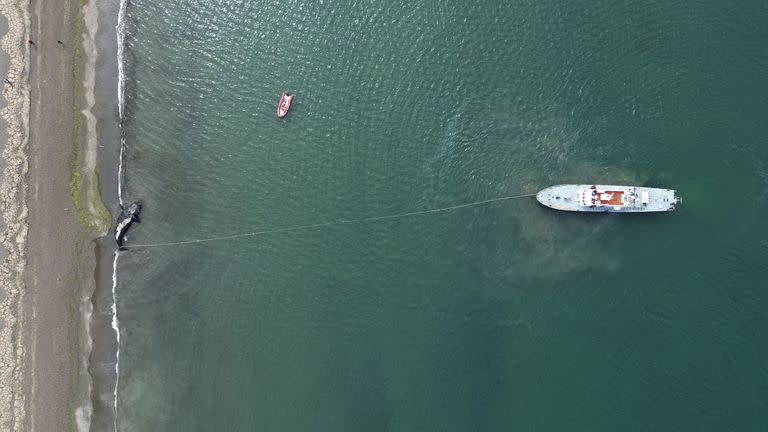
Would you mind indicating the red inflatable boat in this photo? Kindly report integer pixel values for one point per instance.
(285, 104)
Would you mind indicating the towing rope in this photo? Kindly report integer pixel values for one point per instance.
(326, 224)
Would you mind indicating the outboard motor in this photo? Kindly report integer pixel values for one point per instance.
(127, 217)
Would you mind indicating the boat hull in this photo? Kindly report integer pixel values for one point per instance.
(631, 199)
(284, 105)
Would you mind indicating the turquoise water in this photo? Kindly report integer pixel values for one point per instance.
(497, 317)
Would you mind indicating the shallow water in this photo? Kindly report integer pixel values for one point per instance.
(501, 316)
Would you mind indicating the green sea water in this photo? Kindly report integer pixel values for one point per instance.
(505, 316)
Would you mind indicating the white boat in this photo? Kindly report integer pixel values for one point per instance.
(608, 198)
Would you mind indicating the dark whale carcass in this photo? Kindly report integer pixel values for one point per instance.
(127, 217)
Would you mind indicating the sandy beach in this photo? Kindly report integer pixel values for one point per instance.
(50, 217)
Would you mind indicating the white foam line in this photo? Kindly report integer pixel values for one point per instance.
(120, 32)
(120, 57)
(116, 327)
(120, 170)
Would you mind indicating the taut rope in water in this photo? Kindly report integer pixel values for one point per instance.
(325, 224)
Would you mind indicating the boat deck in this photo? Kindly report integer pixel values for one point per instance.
(613, 198)
(608, 198)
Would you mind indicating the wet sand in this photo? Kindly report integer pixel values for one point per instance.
(102, 359)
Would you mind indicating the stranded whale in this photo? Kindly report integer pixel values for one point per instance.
(127, 217)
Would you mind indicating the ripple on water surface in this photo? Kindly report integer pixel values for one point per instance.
(477, 319)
